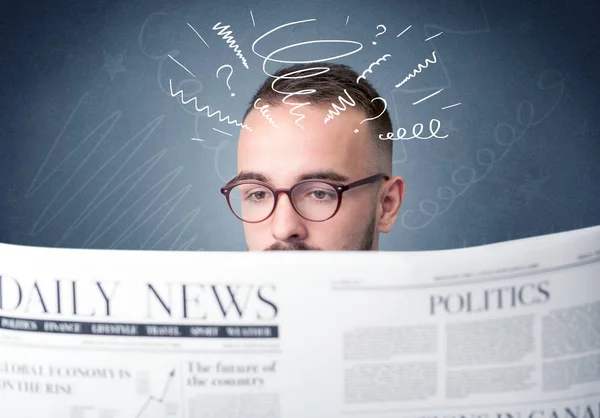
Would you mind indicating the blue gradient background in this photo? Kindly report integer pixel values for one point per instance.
(95, 153)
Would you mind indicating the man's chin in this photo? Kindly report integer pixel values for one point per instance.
(297, 246)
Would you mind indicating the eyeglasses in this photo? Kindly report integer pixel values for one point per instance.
(314, 200)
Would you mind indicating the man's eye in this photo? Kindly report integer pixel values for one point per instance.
(321, 195)
(261, 195)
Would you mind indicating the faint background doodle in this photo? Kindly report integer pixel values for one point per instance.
(113, 64)
(96, 153)
(531, 189)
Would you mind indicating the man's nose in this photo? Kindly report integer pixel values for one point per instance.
(286, 224)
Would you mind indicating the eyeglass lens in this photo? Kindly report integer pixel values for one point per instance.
(314, 200)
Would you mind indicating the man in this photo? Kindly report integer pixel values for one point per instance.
(318, 182)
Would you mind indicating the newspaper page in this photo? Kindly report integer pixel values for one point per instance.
(506, 330)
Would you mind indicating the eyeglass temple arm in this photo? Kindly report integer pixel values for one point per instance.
(368, 180)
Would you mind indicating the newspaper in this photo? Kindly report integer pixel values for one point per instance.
(507, 330)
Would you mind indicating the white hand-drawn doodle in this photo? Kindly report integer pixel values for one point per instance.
(417, 70)
(432, 29)
(181, 65)
(206, 108)
(224, 133)
(196, 32)
(228, 77)
(402, 33)
(321, 70)
(264, 110)
(226, 35)
(448, 107)
(368, 70)
(336, 109)
(434, 36)
(417, 129)
(427, 97)
(378, 34)
(374, 117)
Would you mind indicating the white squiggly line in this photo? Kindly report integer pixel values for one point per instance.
(226, 35)
(368, 70)
(264, 110)
(218, 112)
(336, 110)
(323, 69)
(417, 70)
(291, 94)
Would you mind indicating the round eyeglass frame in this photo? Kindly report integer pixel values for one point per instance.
(339, 188)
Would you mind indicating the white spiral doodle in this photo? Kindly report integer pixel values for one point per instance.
(320, 70)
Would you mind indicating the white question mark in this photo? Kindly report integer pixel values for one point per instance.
(228, 77)
(384, 29)
(382, 112)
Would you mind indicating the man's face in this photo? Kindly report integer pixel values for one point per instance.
(287, 154)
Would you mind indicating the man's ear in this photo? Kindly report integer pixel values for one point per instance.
(390, 201)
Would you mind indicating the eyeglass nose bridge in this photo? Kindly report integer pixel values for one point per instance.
(288, 192)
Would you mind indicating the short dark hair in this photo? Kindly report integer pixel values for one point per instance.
(329, 85)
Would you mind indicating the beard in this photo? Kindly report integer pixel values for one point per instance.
(366, 242)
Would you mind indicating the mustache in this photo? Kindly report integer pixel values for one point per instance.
(295, 246)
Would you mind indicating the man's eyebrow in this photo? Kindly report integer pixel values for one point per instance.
(324, 175)
(249, 175)
(315, 175)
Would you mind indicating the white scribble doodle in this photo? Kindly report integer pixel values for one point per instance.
(197, 139)
(347, 18)
(264, 110)
(417, 70)
(466, 177)
(181, 65)
(225, 133)
(368, 70)
(401, 132)
(289, 95)
(228, 77)
(427, 97)
(402, 33)
(434, 36)
(431, 29)
(205, 108)
(374, 117)
(252, 16)
(378, 34)
(322, 70)
(196, 32)
(448, 107)
(113, 65)
(336, 109)
(226, 35)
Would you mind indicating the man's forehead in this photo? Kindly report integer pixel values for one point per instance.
(305, 129)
